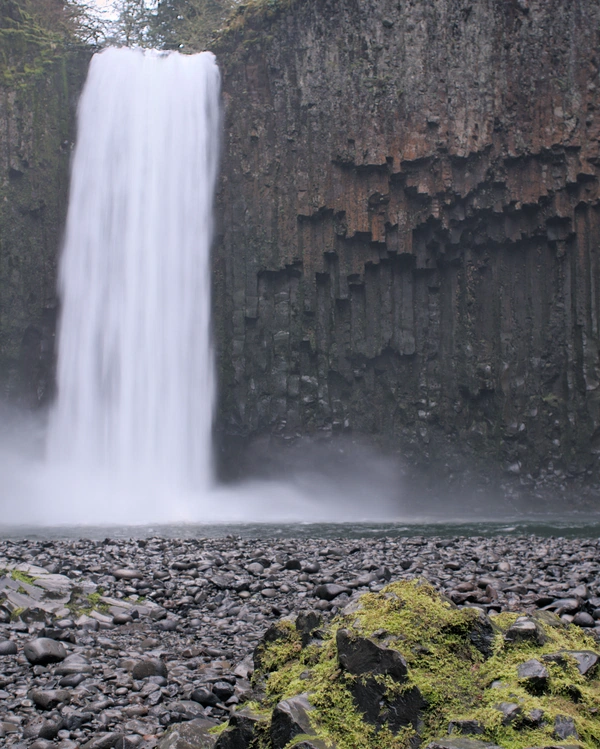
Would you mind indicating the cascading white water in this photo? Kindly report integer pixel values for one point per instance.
(135, 365)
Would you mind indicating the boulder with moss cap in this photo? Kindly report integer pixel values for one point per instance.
(405, 666)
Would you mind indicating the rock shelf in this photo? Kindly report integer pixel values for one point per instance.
(108, 643)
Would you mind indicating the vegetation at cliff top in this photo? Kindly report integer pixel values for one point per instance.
(35, 33)
(184, 25)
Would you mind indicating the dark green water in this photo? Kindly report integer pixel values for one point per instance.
(571, 527)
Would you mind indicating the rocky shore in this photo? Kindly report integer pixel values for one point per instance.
(108, 643)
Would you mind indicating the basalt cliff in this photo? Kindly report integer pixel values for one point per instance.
(40, 81)
(410, 227)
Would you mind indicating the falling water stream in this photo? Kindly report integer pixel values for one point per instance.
(135, 366)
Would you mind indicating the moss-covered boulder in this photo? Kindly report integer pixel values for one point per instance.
(460, 678)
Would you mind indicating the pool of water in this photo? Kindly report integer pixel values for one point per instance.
(567, 527)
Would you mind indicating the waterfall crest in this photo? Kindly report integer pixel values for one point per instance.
(135, 367)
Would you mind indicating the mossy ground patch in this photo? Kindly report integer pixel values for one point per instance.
(454, 677)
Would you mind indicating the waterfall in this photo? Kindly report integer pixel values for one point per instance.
(135, 364)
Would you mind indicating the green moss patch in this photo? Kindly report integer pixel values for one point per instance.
(22, 577)
(458, 678)
(85, 604)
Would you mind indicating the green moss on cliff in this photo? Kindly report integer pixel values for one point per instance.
(42, 66)
(33, 36)
(250, 19)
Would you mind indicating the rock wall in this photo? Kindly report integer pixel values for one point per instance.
(39, 85)
(410, 226)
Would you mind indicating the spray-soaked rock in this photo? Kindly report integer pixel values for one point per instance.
(149, 667)
(43, 651)
(185, 735)
(361, 655)
(290, 718)
(525, 629)
(46, 699)
(329, 591)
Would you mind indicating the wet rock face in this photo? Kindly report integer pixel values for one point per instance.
(361, 655)
(37, 123)
(408, 207)
(290, 718)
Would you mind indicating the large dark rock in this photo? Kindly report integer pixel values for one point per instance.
(183, 710)
(205, 697)
(525, 629)
(194, 734)
(366, 659)
(564, 728)
(482, 635)
(149, 667)
(534, 673)
(244, 729)
(223, 689)
(273, 634)
(74, 664)
(8, 647)
(42, 729)
(395, 711)
(43, 651)
(583, 619)
(290, 718)
(330, 591)
(75, 720)
(565, 605)
(127, 574)
(306, 623)
(46, 699)
(586, 660)
(511, 712)
(362, 655)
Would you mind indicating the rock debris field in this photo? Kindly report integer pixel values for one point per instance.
(108, 643)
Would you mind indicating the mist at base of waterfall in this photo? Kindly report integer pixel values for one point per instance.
(327, 484)
(36, 492)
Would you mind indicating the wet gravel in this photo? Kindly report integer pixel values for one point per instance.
(107, 643)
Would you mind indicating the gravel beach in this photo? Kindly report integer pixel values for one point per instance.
(107, 643)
